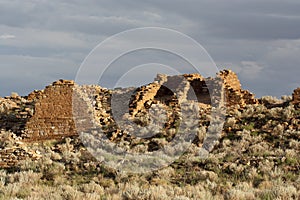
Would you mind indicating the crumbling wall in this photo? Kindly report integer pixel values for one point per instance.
(200, 89)
(230, 79)
(235, 95)
(143, 96)
(94, 111)
(15, 111)
(296, 97)
(11, 156)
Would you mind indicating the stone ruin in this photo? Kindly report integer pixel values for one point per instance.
(49, 113)
(226, 86)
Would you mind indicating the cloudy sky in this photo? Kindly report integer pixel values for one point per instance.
(42, 40)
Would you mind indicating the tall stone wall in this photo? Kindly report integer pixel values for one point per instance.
(53, 117)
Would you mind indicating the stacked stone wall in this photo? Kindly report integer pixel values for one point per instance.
(53, 115)
(296, 97)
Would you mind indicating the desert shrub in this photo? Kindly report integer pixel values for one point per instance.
(286, 98)
(274, 113)
(239, 192)
(24, 177)
(2, 178)
(288, 112)
(271, 100)
(46, 192)
(51, 171)
(92, 187)
(283, 191)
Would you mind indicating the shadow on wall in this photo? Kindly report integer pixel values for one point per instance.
(15, 111)
(201, 90)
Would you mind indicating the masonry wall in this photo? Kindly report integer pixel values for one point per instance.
(53, 117)
(296, 96)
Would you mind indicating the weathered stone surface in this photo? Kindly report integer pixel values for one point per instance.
(53, 115)
(235, 95)
(296, 96)
(143, 95)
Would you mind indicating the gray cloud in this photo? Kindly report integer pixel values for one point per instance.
(22, 74)
(265, 20)
(41, 41)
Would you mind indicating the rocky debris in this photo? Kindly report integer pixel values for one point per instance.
(11, 156)
(63, 82)
(13, 150)
(98, 105)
